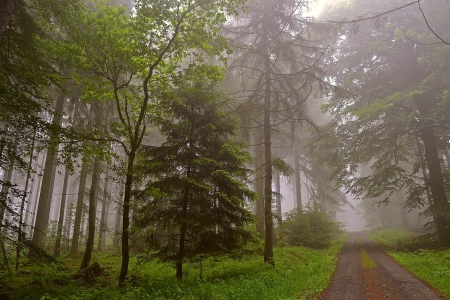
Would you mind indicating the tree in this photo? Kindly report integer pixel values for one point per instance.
(397, 93)
(132, 59)
(197, 193)
(29, 76)
(278, 58)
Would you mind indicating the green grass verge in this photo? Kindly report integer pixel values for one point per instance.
(299, 273)
(433, 266)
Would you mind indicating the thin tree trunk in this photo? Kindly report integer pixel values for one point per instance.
(403, 211)
(30, 209)
(68, 222)
(298, 183)
(92, 215)
(22, 204)
(182, 240)
(35, 202)
(268, 218)
(103, 218)
(5, 258)
(45, 195)
(4, 193)
(79, 210)
(259, 189)
(278, 190)
(126, 219)
(7, 10)
(62, 209)
(119, 210)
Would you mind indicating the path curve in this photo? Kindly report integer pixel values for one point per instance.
(365, 271)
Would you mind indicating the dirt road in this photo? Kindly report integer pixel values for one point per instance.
(365, 271)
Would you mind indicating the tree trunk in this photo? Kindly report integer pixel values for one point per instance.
(404, 211)
(425, 180)
(119, 209)
(30, 203)
(7, 10)
(78, 210)
(7, 175)
(126, 219)
(62, 209)
(268, 218)
(45, 195)
(92, 214)
(440, 203)
(183, 231)
(298, 183)
(36, 200)
(278, 190)
(259, 189)
(22, 204)
(104, 217)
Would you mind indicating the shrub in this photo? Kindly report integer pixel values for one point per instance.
(310, 228)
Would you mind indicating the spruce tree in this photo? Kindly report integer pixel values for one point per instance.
(198, 199)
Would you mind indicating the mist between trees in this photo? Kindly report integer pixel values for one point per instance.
(187, 128)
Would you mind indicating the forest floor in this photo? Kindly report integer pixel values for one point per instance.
(365, 271)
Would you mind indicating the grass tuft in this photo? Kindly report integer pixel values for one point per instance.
(366, 261)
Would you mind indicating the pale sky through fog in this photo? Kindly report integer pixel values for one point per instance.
(317, 6)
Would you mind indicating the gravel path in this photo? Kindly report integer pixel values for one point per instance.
(365, 271)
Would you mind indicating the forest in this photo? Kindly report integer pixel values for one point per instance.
(167, 149)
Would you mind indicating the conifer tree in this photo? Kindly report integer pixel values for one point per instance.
(278, 59)
(196, 194)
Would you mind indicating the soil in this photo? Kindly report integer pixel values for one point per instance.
(365, 271)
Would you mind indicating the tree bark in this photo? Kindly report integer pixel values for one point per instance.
(45, 195)
(440, 202)
(268, 218)
(7, 175)
(298, 183)
(35, 202)
(119, 209)
(78, 210)
(22, 204)
(183, 231)
(425, 179)
(62, 208)
(278, 190)
(92, 215)
(104, 217)
(259, 189)
(7, 10)
(125, 218)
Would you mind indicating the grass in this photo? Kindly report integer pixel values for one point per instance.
(299, 273)
(366, 261)
(431, 265)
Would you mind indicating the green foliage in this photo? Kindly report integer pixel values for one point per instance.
(195, 192)
(391, 238)
(310, 228)
(301, 273)
(376, 143)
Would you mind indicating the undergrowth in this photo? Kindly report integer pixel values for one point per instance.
(299, 273)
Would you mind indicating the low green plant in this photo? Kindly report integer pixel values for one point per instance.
(310, 228)
(392, 238)
(366, 261)
(300, 273)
